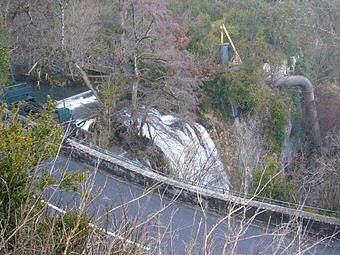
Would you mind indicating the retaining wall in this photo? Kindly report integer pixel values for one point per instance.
(214, 201)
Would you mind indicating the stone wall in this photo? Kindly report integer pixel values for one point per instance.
(217, 202)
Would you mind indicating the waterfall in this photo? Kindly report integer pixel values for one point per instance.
(250, 148)
(189, 149)
(81, 105)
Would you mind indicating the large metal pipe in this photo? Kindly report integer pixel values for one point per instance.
(310, 113)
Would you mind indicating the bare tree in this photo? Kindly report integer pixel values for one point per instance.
(45, 228)
(317, 179)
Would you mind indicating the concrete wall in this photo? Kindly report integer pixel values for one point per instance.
(193, 195)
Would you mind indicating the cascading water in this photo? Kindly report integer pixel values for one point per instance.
(189, 148)
(249, 149)
(81, 105)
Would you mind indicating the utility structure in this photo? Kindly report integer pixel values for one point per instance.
(223, 52)
(310, 112)
(224, 58)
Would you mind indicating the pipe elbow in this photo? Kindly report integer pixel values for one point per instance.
(294, 81)
(308, 93)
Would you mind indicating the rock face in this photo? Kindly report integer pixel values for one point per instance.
(189, 149)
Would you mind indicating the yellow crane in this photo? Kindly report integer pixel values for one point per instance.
(237, 59)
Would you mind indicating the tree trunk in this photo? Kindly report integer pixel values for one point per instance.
(134, 113)
(62, 19)
(88, 82)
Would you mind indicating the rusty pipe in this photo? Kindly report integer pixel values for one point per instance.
(310, 113)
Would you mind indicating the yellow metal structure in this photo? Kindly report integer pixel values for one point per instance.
(237, 58)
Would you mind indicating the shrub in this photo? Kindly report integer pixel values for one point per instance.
(73, 226)
(22, 148)
(235, 87)
(303, 66)
(276, 126)
(270, 183)
(4, 55)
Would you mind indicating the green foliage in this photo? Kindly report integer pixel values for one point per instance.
(73, 225)
(280, 28)
(4, 55)
(261, 45)
(276, 126)
(303, 66)
(235, 87)
(4, 63)
(198, 32)
(270, 183)
(22, 147)
(68, 181)
(322, 212)
(296, 114)
(107, 93)
(195, 8)
(46, 180)
(204, 23)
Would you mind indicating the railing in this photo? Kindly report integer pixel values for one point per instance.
(307, 208)
(16, 92)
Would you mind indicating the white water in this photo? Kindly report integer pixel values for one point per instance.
(82, 106)
(77, 101)
(249, 148)
(188, 148)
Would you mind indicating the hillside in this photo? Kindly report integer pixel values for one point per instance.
(151, 68)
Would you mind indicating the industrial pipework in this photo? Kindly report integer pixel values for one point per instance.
(310, 113)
